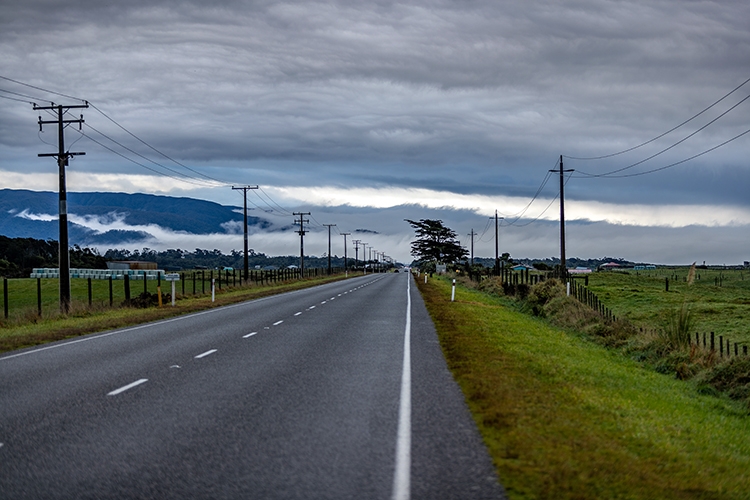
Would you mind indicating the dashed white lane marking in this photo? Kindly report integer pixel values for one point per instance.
(324, 302)
(278, 322)
(126, 387)
(1, 445)
(311, 307)
(203, 355)
(249, 335)
(298, 313)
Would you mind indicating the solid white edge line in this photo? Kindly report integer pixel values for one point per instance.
(126, 387)
(402, 475)
(249, 335)
(203, 355)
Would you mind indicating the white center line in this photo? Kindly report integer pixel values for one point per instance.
(249, 335)
(126, 387)
(210, 351)
(278, 322)
(298, 313)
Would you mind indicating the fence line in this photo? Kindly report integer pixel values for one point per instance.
(94, 293)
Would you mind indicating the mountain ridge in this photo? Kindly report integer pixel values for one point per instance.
(33, 214)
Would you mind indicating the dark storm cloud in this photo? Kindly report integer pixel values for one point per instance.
(470, 97)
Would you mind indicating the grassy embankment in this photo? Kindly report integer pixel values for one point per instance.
(564, 417)
(24, 328)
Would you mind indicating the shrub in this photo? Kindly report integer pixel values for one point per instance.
(541, 293)
(493, 286)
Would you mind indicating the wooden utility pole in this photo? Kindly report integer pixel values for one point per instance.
(301, 233)
(563, 263)
(329, 246)
(356, 252)
(62, 162)
(497, 245)
(472, 233)
(345, 235)
(244, 213)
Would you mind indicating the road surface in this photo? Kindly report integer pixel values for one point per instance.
(339, 391)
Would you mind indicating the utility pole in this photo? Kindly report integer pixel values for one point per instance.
(244, 213)
(356, 252)
(329, 246)
(301, 233)
(62, 162)
(472, 233)
(497, 246)
(345, 235)
(563, 264)
(364, 256)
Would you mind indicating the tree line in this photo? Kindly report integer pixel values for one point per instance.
(18, 256)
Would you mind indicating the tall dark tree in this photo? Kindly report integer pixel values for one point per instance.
(435, 242)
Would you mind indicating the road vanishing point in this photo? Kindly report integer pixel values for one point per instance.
(339, 391)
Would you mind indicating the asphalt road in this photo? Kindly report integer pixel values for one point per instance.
(310, 394)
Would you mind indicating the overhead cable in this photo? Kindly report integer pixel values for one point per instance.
(665, 133)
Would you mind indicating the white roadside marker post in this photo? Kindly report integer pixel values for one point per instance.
(173, 277)
(453, 291)
(213, 289)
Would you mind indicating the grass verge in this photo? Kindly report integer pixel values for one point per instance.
(31, 330)
(564, 417)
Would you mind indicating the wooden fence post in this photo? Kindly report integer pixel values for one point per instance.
(126, 286)
(5, 297)
(111, 294)
(713, 344)
(39, 296)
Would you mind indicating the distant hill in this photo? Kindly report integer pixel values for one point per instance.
(25, 214)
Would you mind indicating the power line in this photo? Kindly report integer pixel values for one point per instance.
(609, 174)
(43, 89)
(184, 178)
(138, 163)
(665, 133)
(155, 149)
(681, 161)
(19, 95)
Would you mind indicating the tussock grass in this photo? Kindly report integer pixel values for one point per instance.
(566, 418)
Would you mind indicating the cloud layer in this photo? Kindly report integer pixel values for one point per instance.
(350, 103)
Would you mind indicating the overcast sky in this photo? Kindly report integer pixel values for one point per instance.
(351, 110)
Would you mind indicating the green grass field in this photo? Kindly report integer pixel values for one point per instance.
(641, 297)
(23, 293)
(25, 328)
(566, 418)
